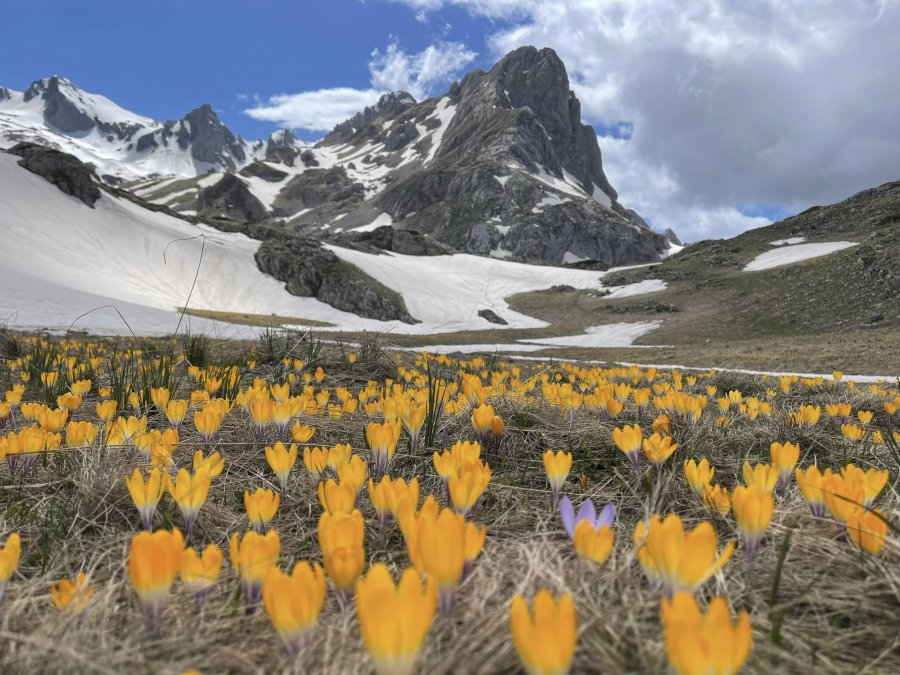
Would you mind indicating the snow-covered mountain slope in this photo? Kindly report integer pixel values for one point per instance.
(119, 143)
(60, 258)
(500, 165)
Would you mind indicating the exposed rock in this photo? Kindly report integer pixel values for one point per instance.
(561, 288)
(514, 150)
(388, 105)
(65, 110)
(5, 94)
(595, 265)
(230, 198)
(210, 140)
(310, 270)
(400, 135)
(202, 133)
(264, 171)
(492, 316)
(66, 172)
(669, 234)
(537, 80)
(387, 238)
(283, 138)
(284, 154)
(308, 158)
(313, 188)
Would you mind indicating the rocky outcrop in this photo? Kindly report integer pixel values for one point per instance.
(210, 140)
(492, 316)
(400, 135)
(310, 270)
(536, 80)
(315, 187)
(262, 170)
(386, 238)
(671, 237)
(230, 199)
(283, 138)
(5, 94)
(66, 172)
(388, 105)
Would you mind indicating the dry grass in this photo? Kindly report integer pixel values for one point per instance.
(245, 319)
(839, 607)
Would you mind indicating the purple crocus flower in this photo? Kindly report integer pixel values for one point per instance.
(587, 512)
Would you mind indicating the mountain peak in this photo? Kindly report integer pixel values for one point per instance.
(537, 79)
(390, 103)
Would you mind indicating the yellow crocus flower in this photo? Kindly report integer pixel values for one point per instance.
(199, 573)
(557, 465)
(293, 602)
(593, 544)
(753, 510)
(545, 638)
(281, 460)
(680, 560)
(763, 475)
(867, 530)
(394, 619)
(341, 538)
(704, 644)
(9, 560)
(153, 563)
(146, 494)
(190, 493)
(629, 439)
(251, 557)
(71, 596)
(699, 475)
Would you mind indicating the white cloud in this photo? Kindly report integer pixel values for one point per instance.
(318, 110)
(783, 103)
(418, 74)
(391, 70)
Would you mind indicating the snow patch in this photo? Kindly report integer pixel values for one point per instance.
(787, 255)
(671, 250)
(600, 196)
(444, 112)
(444, 291)
(607, 335)
(569, 258)
(639, 288)
(381, 220)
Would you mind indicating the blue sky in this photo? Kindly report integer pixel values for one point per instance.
(161, 59)
(714, 116)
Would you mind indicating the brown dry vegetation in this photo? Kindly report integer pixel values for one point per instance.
(834, 609)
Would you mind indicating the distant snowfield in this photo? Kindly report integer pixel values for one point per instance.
(60, 259)
(446, 291)
(787, 254)
(607, 335)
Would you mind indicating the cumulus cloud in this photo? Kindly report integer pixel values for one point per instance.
(731, 105)
(418, 74)
(391, 70)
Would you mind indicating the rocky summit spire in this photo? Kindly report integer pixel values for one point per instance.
(536, 79)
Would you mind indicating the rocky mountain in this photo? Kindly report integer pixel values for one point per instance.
(118, 143)
(500, 165)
